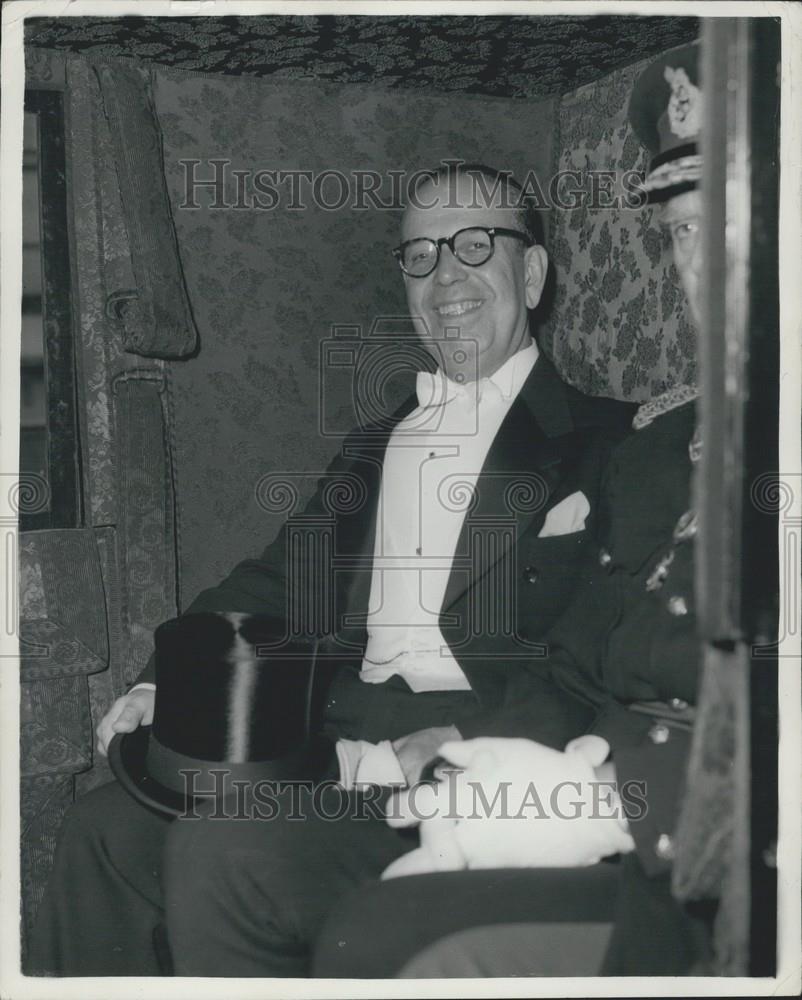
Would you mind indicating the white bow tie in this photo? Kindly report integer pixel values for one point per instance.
(434, 389)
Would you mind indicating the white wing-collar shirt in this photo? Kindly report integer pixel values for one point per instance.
(433, 460)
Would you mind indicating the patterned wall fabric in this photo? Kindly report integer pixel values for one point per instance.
(619, 326)
(44, 799)
(102, 242)
(107, 685)
(268, 286)
(62, 604)
(55, 727)
(90, 597)
(522, 56)
(125, 451)
(64, 637)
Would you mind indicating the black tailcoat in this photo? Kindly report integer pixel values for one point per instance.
(507, 586)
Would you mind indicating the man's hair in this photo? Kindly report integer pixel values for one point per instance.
(526, 215)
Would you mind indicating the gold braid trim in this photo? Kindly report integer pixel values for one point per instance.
(666, 401)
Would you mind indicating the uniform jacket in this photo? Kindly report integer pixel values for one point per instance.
(553, 442)
(627, 649)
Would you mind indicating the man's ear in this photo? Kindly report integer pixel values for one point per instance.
(536, 266)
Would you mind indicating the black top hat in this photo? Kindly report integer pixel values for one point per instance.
(233, 702)
(665, 111)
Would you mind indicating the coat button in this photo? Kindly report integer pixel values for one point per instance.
(678, 704)
(664, 848)
(530, 574)
(605, 558)
(677, 606)
(659, 733)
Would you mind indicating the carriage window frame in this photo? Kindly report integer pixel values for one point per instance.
(60, 506)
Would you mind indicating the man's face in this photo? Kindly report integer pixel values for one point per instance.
(682, 216)
(471, 319)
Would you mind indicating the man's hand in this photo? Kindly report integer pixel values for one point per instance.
(514, 804)
(416, 750)
(125, 715)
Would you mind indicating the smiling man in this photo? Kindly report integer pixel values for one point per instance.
(476, 281)
(477, 517)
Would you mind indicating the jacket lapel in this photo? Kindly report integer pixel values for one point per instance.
(514, 489)
(520, 475)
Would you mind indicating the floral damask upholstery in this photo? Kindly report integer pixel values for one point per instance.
(506, 56)
(91, 597)
(271, 287)
(44, 798)
(56, 726)
(619, 325)
(62, 604)
(63, 639)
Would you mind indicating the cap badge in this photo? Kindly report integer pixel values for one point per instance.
(684, 105)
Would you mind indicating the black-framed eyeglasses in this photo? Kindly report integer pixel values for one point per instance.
(472, 246)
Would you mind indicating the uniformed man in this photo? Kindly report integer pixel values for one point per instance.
(540, 903)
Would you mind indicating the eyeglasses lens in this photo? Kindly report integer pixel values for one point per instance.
(471, 246)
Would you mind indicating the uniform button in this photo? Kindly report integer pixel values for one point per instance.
(530, 574)
(432, 454)
(677, 606)
(664, 848)
(659, 733)
(605, 558)
(678, 704)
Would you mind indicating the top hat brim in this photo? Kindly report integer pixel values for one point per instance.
(127, 757)
(128, 761)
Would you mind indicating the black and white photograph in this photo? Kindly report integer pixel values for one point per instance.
(401, 499)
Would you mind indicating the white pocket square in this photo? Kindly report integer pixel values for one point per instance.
(566, 517)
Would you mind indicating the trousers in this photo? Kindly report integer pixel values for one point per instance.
(570, 949)
(240, 895)
(379, 929)
(608, 919)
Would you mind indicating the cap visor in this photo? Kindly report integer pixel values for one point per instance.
(658, 195)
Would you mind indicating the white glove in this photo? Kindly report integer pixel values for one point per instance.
(514, 804)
